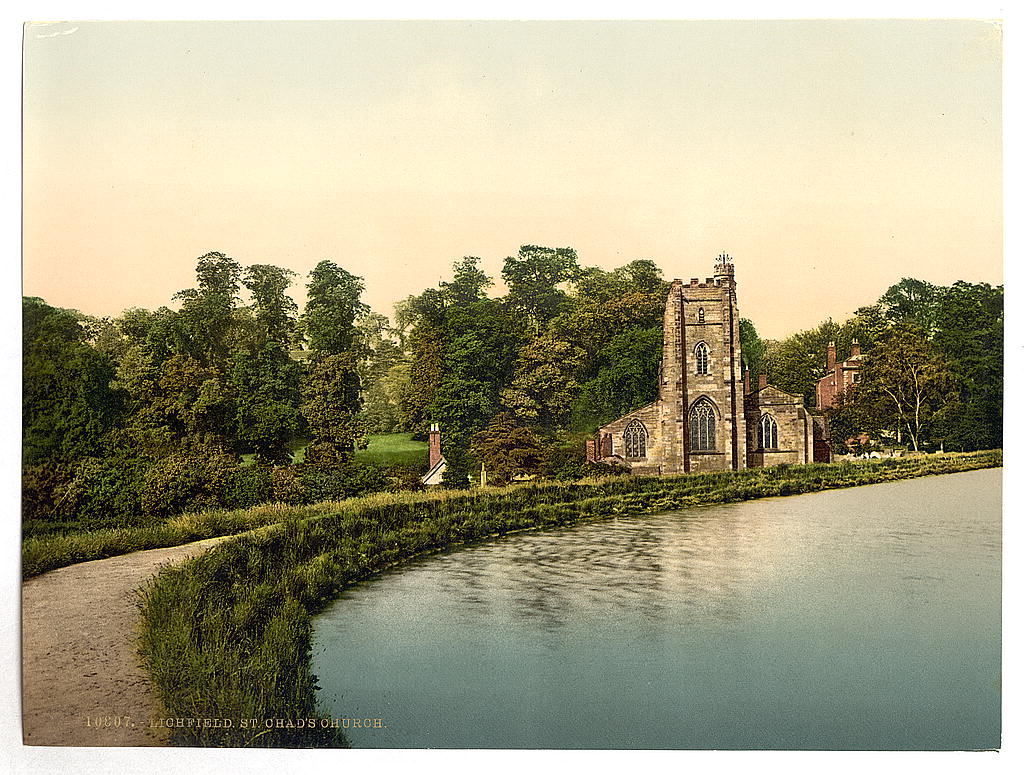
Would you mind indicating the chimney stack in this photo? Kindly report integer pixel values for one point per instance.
(762, 381)
(831, 356)
(854, 348)
(746, 382)
(435, 445)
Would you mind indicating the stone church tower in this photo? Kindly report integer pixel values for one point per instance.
(700, 420)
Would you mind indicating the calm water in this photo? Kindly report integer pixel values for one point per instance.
(866, 618)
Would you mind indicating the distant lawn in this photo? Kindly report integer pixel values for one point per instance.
(389, 449)
(394, 449)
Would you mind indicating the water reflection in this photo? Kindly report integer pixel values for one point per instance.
(859, 618)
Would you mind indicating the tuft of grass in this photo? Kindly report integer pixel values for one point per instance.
(227, 634)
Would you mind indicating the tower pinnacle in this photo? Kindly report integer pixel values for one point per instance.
(724, 266)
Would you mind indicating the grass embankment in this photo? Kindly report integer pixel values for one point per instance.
(47, 552)
(227, 634)
(42, 553)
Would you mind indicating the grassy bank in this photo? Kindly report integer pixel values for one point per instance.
(227, 634)
(42, 553)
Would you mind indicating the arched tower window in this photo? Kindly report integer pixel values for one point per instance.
(635, 438)
(700, 315)
(702, 356)
(768, 433)
(702, 426)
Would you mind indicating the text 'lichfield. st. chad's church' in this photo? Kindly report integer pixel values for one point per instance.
(708, 417)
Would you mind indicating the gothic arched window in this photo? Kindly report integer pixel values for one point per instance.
(635, 438)
(702, 426)
(768, 433)
(702, 356)
(700, 315)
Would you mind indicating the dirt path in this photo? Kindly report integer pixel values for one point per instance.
(79, 663)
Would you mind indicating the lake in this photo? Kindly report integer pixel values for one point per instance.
(865, 618)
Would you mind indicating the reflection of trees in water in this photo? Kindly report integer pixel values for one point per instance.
(640, 572)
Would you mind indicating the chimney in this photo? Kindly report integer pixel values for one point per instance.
(854, 348)
(435, 445)
(591, 450)
(746, 382)
(831, 357)
(762, 381)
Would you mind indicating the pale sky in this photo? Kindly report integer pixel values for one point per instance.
(830, 159)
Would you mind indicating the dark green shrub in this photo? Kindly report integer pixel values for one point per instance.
(187, 480)
(42, 487)
(248, 486)
(404, 478)
(105, 492)
(345, 481)
(287, 486)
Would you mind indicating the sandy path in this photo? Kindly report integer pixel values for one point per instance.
(79, 660)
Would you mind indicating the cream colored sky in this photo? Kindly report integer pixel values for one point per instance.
(829, 158)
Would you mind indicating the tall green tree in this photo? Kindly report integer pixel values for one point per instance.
(207, 312)
(626, 378)
(469, 282)
(265, 380)
(544, 385)
(911, 301)
(751, 346)
(331, 392)
(275, 312)
(332, 308)
(68, 404)
(507, 450)
(535, 278)
(969, 333)
(267, 417)
(381, 353)
(905, 382)
(330, 405)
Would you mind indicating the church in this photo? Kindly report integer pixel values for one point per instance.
(708, 416)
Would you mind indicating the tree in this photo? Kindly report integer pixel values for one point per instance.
(544, 385)
(267, 389)
(533, 279)
(332, 309)
(911, 301)
(68, 404)
(796, 363)
(849, 416)
(591, 325)
(507, 450)
(469, 282)
(381, 354)
(264, 379)
(751, 346)
(274, 311)
(331, 392)
(969, 333)
(627, 378)
(905, 381)
(330, 397)
(641, 276)
(206, 315)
